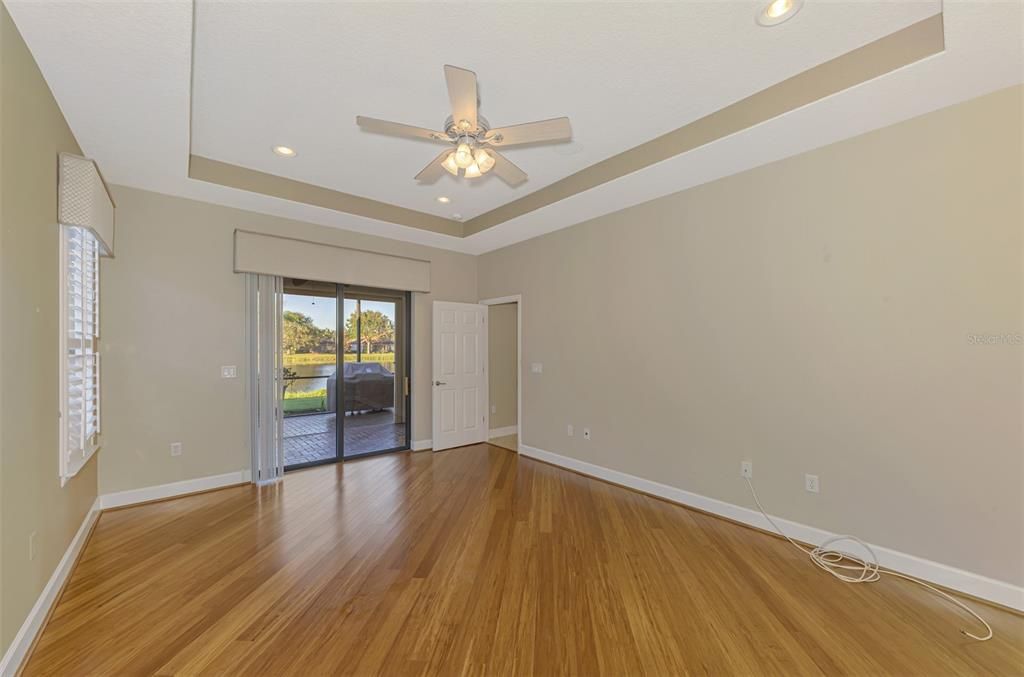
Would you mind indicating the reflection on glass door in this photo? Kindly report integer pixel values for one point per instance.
(309, 346)
(361, 408)
(374, 407)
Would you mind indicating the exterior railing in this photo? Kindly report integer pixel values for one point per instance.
(313, 399)
(310, 401)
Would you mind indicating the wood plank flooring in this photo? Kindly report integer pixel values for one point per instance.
(476, 561)
(510, 442)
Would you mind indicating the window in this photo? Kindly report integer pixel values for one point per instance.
(80, 360)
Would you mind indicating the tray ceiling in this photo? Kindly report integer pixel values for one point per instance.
(141, 96)
(299, 73)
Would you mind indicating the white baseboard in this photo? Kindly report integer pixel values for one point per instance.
(132, 496)
(420, 445)
(1000, 592)
(501, 432)
(22, 642)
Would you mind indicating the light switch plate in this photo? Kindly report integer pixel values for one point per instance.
(230, 371)
(537, 367)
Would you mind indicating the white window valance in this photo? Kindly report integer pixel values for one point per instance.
(83, 200)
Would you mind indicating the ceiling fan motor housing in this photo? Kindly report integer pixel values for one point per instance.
(455, 133)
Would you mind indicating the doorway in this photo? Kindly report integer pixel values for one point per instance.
(345, 366)
(504, 371)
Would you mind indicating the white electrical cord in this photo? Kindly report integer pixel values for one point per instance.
(858, 570)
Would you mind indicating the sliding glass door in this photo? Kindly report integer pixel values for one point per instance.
(309, 347)
(349, 397)
(375, 368)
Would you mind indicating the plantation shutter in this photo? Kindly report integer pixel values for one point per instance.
(85, 212)
(81, 368)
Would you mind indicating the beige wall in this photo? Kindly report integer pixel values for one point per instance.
(501, 355)
(174, 313)
(814, 316)
(32, 133)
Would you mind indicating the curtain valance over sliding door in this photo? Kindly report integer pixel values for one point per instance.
(288, 257)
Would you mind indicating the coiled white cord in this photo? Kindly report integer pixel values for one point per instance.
(850, 569)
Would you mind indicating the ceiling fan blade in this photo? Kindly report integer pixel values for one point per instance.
(506, 169)
(462, 93)
(555, 129)
(433, 171)
(398, 129)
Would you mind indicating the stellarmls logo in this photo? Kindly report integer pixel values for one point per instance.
(1009, 339)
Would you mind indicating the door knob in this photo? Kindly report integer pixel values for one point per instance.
(440, 383)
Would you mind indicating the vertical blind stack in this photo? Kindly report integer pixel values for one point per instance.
(266, 299)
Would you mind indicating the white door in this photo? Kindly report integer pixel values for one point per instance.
(460, 374)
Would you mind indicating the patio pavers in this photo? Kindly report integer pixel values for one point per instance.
(312, 437)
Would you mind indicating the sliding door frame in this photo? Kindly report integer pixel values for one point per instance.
(403, 342)
(337, 450)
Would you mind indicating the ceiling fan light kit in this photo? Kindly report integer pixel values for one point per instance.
(484, 159)
(474, 141)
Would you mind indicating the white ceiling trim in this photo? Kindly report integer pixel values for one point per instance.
(983, 53)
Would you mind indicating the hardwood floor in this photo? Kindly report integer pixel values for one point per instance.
(476, 561)
(510, 442)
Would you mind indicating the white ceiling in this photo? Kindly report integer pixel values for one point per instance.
(298, 73)
(624, 73)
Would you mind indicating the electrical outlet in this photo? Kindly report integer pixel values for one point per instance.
(494, 409)
(32, 545)
(570, 431)
(586, 433)
(811, 483)
(231, 371)
(175, 448)
(747, 469)
(537, 367)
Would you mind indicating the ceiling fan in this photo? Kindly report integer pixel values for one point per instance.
(474, 141)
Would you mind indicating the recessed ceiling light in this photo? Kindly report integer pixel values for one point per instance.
(283, 151)
(777, 11)
(444, 200)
